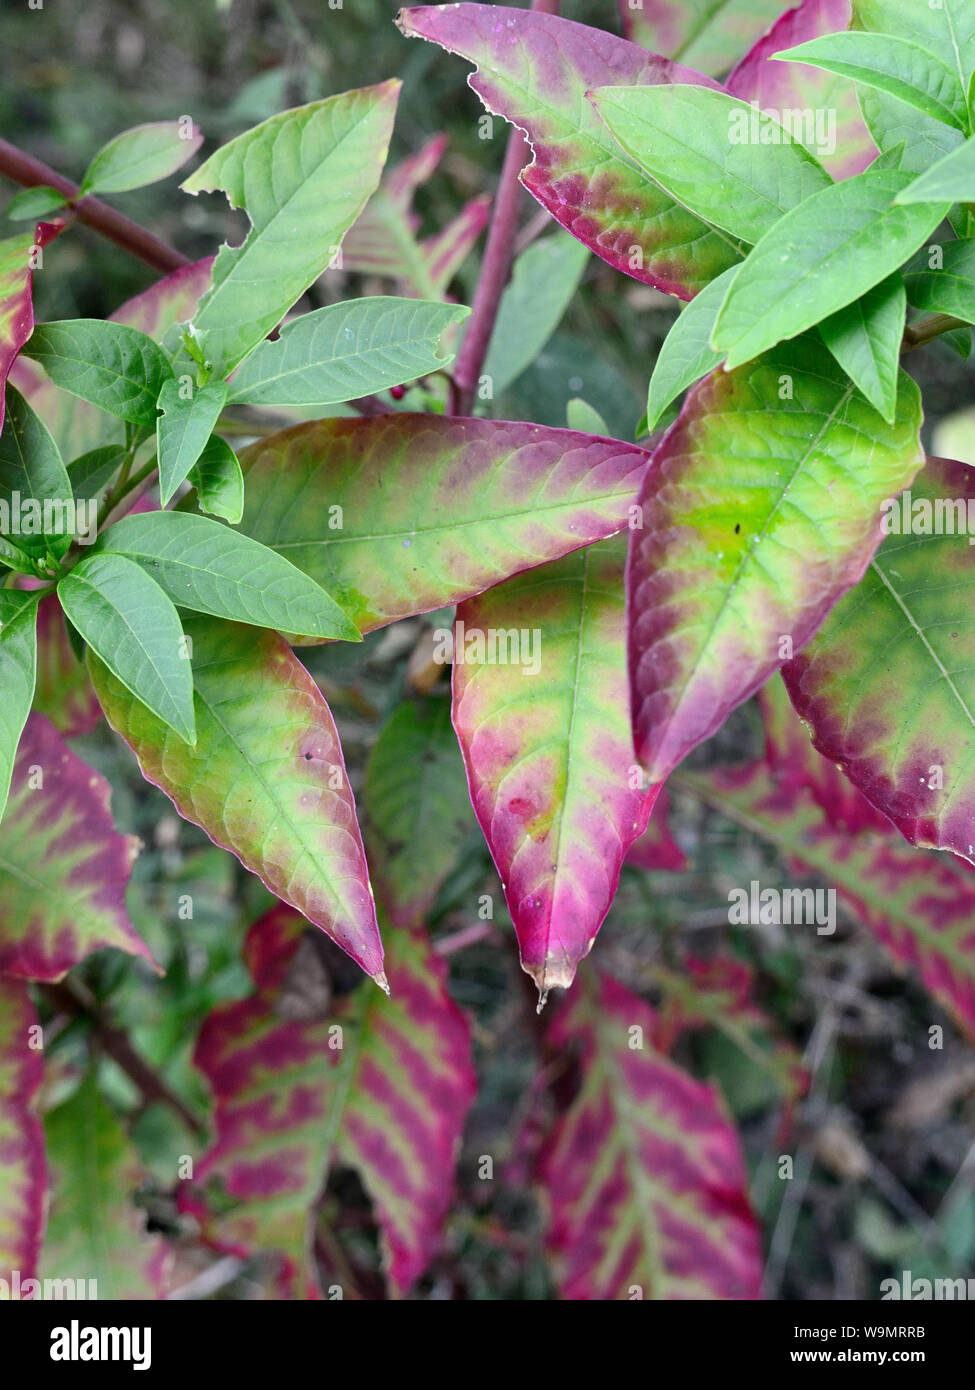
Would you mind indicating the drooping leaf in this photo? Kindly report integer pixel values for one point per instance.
(95, 1231)
(34, 483)
(266, 778)
(347, 350)
(534, 69)
(17, 256)
(865, 338)
(760, 508)
(540, 708)
(64, 867)
(381, 1085)
(825, 104)
(403, 513)
(127, 619)
(543, 281)
(303, 177)
(417, 807)
(117, 368)
(218, 481)
(18, 667)
(183, 430)
(951, 177)
(886, 685)
(23, 1168)
(208, 567)
(919, 906)
(709, 36)
(699, 145)
(143, 155)
(643, 1173)
(656, 848)
(63, 691)
(949, 288)
(818, 258)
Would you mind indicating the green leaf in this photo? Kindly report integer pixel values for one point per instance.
(130, 623)
(34, 488)
(109, 364)
(204, 565)
(218, 480)
(303, 177)
(91, 472)
(687, 354)
(818, 258)
(580, 415)
(894, 65)
(893, 123)
(544, 279)
(733, 165)
(184, 428)
(347, 350)
(952, 178)
(949, 289)
(945, 28)
(145, 154)
(865, 338)
(18, 671)
(31, 203)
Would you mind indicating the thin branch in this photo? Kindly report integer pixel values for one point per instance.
(926, 329)
(24, 169)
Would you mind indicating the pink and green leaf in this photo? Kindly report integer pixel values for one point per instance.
(798, 87)
(656, 848)
(761, 507)
(16, 303)
(63, 691)
(535, 69)
(708, 36)
(64, 868)
(266, 778)
(887, 685)
(643, 1173)
(380, 1085)
(23, 1170)
(402, 514)
(545, 735)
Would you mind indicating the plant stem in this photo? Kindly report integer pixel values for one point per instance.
(496, 267)
(928, 328)
(24, 169)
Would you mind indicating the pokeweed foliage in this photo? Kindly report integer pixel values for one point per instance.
(210, 478)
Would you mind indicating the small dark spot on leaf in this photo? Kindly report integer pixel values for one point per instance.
(737, 527)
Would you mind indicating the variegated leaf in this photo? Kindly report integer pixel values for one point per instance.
(707, 35)
(17, 260)
(63, 692)
(23, 1170)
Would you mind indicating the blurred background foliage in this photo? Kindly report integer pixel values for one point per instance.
(881, 1142)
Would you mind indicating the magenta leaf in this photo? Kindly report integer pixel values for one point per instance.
(656, 848)
(17, 260)
(708, 35)
(380, 1085)
(64, 868)
(540, 708)
(643, 1173)
(23, 1170)
(833, 128)
(534, 70)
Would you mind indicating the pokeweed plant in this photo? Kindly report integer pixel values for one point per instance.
(612, 602)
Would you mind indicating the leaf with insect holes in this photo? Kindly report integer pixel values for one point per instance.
(403, 513)
(35, 492)
(643, 1173)
(919, 906)
(706, 35)
(417, 807)
(265, 779)
(818, 258)
(78, 426)
(535, 70)
(218, 481)
(302, 177)
(544, 279)
(686, 354)
(140, 156)
(127, 619)
(183, 430)
(95, 1230)
(18, 667)
(759, 510)
(950, 287)
(203, 565)
(63, 691)
(347, 350)
(540, 708)
(23, 1178)
(697, 144)
(886, 686)
(64, 868)
(383, 240)
(110, 365)
(865, 338)
(822, 107)
(17, 256)
(379, 1085)
(951, 177)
